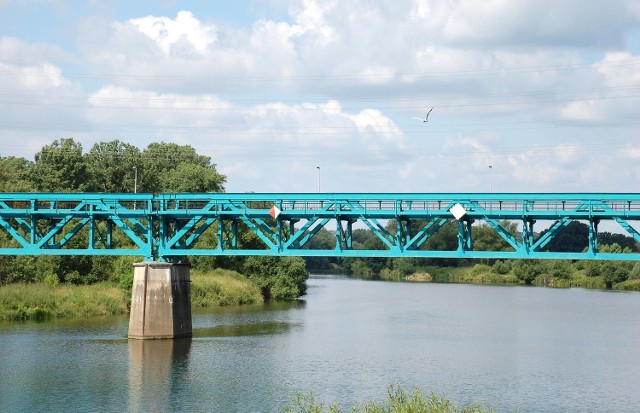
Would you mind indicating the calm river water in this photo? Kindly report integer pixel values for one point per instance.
(535, 349)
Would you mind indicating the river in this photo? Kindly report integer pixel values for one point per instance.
(534, 349)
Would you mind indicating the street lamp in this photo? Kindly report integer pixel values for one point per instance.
(135, 179)
(135, 185)
(490, 179)
(318, 168)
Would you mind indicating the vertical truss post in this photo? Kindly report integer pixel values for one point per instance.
(526, 237)
(593, 235)
(164, 232)
(109, 234)
(292, 230)
(152, 251)
(220, 233)
(465, 242)
(338, 235)
(279, 234)
(52, 224)
(234, 234)
(350, 233)
(92, 228)
(34, 223)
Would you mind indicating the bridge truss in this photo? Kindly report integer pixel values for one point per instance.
(171, 226)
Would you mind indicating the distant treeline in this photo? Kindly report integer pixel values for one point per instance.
(118, 167)
(574, 238)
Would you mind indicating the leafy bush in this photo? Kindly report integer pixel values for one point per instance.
(480, 269)
(527, 270)
(501, 267)
(391, 275)
(399, 401)
(634, 274)
(560, 269)
(277, 277)
(222, 287)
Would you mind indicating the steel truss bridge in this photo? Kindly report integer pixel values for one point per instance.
(168, 227)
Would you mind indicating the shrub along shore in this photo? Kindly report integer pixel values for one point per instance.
(622, 275)
(398, 401)
(42, 301)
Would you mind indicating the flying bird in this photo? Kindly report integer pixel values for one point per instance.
(426, 118)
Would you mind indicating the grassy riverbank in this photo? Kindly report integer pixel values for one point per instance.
(570, 276)
(40, 301)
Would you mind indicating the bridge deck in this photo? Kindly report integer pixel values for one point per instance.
(163, 226)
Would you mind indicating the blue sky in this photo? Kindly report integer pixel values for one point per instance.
(545, 92)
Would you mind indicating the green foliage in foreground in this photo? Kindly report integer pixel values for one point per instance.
(399, 401)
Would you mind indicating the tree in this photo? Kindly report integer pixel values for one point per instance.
(322, 240)
(159, 158)
(14, 175)
(573, 238)
(112, 167)
(192, 178)
(278, 277)
(527, 270)
(625, 241)
(612, 272)
(560, 269)
(59, 167)
(486, 238)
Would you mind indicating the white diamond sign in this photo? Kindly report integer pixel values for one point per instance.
(458, 211)
(274, 211)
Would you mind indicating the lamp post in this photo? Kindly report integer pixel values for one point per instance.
(490, 179)
(135, 185)
(318, 168)
(135, 179)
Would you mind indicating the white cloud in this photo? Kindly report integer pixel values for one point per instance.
(630, 152)
(18, 52)
(181, 36)
(334, 84)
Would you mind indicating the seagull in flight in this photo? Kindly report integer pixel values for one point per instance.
(426, 118)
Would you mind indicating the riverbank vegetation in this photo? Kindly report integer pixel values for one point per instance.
(221, 288)
(620, 275)
(44, 301)
(118, 167)
(399, 401)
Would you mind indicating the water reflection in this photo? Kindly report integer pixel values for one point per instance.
(154, 367)
(253, 329)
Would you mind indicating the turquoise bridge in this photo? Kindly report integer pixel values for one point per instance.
(167, 227)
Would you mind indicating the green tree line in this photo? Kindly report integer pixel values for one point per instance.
(119, 167)
(574, 238)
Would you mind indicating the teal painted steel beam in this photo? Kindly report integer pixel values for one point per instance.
(169, 225)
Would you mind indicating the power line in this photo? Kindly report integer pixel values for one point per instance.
(216, 99)
(303, 108)
(314, 77)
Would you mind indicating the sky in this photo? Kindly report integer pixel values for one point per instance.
(301, 96)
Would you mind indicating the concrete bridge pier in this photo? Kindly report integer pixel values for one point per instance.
(160, 301)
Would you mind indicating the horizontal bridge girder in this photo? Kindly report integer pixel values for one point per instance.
(172, 225)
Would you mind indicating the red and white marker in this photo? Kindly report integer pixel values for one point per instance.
(274, 212)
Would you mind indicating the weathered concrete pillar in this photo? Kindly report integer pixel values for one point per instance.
(160, 301)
